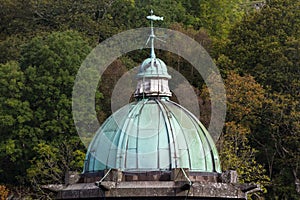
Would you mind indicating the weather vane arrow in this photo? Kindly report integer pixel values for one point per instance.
(152, 35)
(154, 17)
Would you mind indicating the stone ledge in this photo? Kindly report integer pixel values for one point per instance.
(152, 189)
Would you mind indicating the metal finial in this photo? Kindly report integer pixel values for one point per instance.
(152, 35)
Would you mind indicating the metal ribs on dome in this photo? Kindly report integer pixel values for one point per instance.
(152, 135)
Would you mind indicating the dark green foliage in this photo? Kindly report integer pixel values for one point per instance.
(30, 17)
(36, 115)
(266, 44)
(42, 47)
(15, 113)
(277, 139)
(50, 65)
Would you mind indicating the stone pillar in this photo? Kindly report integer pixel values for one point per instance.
(229, 176)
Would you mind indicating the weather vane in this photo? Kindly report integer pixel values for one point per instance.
(152, 36)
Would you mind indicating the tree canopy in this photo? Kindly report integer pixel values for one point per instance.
(254, 43)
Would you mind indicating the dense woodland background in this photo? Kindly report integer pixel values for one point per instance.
(256, 47)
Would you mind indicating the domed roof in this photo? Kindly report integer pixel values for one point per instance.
(152, 79)
(153, 67)
(152, 134)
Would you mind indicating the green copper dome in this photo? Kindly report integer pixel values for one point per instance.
(152, 135)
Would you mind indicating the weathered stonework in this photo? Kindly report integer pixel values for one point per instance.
(124, 185)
